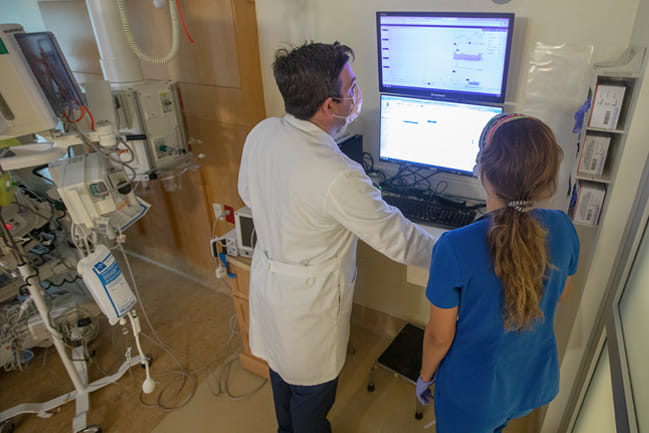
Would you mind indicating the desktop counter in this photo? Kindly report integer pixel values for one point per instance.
(390, 287)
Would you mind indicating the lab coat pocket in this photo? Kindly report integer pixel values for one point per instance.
(301, 297)
(304, 307)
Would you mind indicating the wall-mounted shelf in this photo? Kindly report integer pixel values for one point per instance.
(614, 89)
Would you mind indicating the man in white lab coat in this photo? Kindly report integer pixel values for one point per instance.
(310, 204)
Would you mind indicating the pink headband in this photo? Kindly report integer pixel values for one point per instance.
(495, 123)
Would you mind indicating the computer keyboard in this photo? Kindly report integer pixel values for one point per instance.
(430, 210)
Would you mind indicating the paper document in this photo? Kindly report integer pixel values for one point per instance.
(127, 216)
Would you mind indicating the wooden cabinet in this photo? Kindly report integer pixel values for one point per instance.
(240, 267)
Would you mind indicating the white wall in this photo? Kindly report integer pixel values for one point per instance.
(23, 12)
(353, 23)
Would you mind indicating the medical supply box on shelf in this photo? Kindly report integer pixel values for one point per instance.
(593, 155)
(590, 198)
(607, 105)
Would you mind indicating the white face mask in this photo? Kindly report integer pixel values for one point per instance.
(357, 102)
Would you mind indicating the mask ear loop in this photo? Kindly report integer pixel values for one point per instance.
(354, 102)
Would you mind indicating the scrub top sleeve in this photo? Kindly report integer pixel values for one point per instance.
(444, 277)
(574, 246)
(355, 203)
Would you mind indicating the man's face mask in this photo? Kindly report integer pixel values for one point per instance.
(355, 110)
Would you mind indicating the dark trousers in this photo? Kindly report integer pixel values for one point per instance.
(302, 409)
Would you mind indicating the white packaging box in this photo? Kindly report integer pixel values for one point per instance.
(607, 105)
(590, 197)
(593, 155)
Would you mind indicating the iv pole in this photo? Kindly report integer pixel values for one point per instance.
(121, 67)
(76, 369)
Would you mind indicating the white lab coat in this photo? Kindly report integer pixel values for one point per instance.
(309, 204)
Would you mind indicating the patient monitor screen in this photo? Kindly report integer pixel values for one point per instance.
(50, 68)
(426, 132)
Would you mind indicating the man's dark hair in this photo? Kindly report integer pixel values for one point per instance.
(308, 75)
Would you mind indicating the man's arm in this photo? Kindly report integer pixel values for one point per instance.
(354, 202)
(438, 338)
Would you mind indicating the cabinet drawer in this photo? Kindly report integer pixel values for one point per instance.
(241, 281)
(243, 318)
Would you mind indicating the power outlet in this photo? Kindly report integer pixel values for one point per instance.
(217, 208)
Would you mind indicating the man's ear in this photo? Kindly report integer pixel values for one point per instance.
(327, 107)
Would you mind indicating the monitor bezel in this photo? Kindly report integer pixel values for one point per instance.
(440, 168)
(443, 94)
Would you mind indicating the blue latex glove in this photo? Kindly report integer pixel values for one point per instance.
(580, 116)
(423, 392)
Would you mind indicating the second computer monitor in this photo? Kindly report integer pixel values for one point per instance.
(432, 133)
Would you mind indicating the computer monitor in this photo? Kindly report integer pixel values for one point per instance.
(445, 55)
(432, 133)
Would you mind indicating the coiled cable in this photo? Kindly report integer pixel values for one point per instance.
(175, 31)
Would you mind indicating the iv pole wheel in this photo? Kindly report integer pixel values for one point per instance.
(91, 429)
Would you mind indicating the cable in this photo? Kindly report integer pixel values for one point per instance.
(144, 312)
(233, 329)
(367, 162)
(165, 408)
(128, 147)
(92, 118)
(412, 177)
(65, 280)
(126, 28)
(223, 377)
(182, 21)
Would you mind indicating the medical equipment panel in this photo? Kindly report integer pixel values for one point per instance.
(23, 106)
(246, 235)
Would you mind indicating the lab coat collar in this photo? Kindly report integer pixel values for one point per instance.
(308, 127)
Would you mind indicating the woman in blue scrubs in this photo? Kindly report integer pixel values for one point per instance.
(494, 285)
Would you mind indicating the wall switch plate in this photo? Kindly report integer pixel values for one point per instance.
(217, 208)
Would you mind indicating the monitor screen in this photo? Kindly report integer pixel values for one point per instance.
(456, 56)
(440, 134)
(50, 68)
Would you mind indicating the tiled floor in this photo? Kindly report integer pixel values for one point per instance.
(193, 321)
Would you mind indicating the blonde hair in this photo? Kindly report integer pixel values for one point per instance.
(520, 157)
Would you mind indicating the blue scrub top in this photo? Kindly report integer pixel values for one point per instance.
(488, 372)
